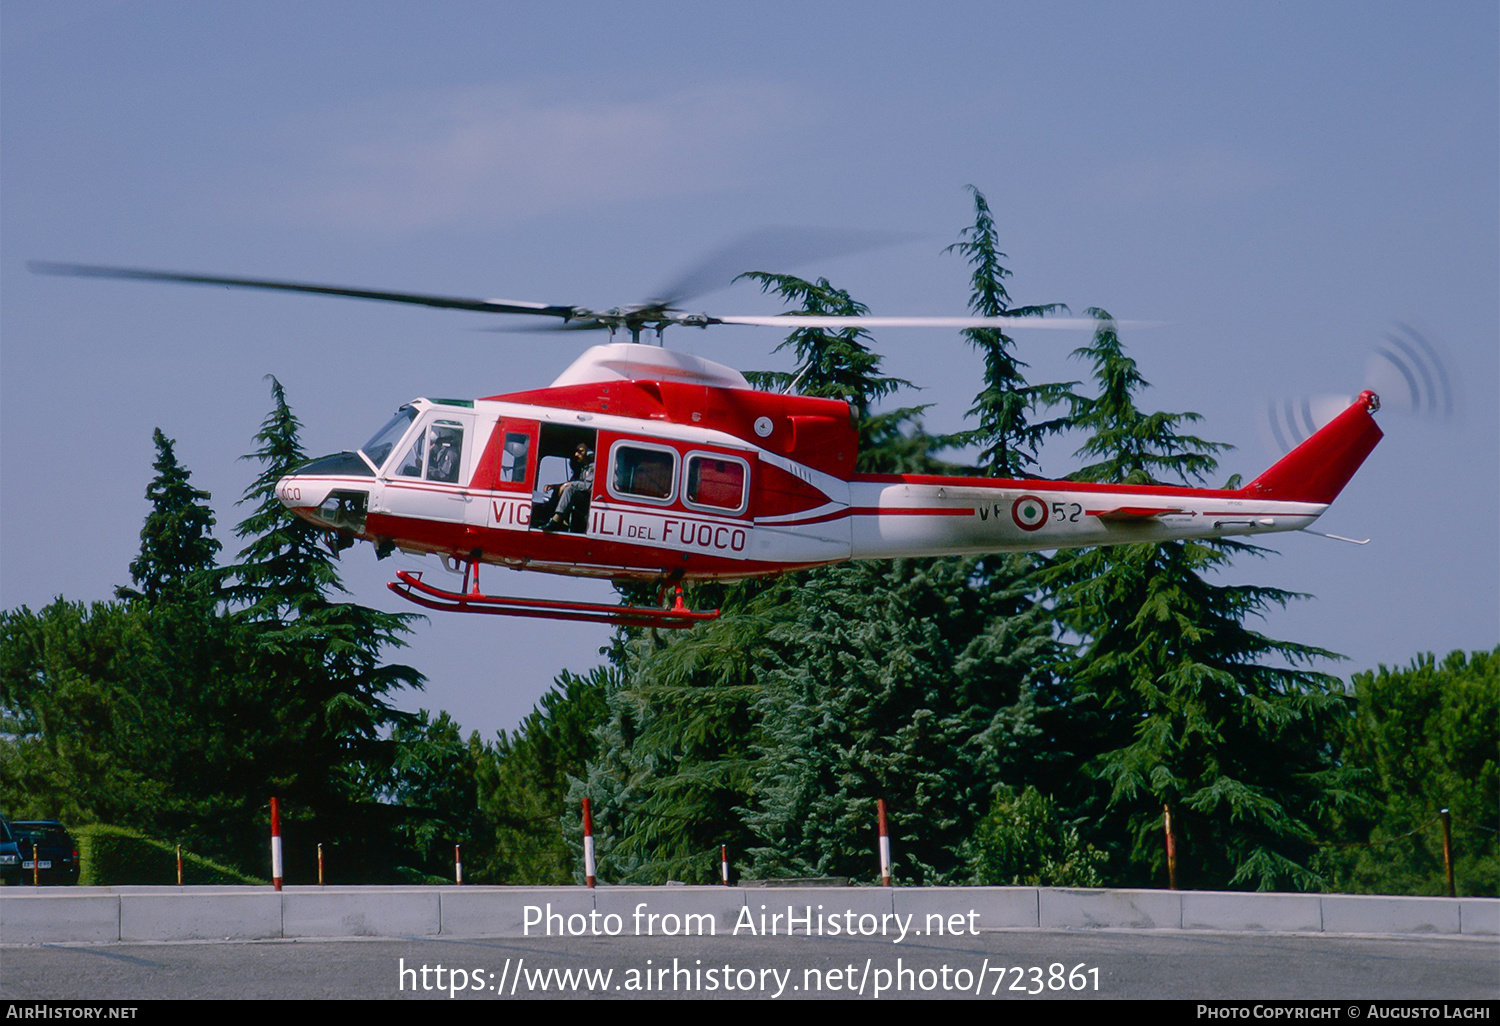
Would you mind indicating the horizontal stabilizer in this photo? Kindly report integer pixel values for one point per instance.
(1132, 514)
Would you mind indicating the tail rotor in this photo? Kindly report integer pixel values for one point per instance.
(1408, 369)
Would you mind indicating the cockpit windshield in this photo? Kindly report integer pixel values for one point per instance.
(379, 447)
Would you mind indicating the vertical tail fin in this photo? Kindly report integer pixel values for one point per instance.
(1318, 469)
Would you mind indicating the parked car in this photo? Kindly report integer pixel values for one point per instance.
(10, 855)
(51, 845)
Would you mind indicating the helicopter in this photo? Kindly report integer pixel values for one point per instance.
(646, 465)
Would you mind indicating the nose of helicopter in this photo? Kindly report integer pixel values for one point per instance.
(311, 485)
(326, 501)
(301, 494)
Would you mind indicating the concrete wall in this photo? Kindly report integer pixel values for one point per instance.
(122, 914)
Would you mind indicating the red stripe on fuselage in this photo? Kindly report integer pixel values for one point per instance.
(872, 511)
(1001, 484)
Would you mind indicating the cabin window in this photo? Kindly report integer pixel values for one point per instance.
(514, 455)
(643, 473)
(716, 482)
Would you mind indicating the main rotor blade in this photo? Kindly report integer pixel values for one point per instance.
(507, 306)
(812, 321)
(540, 327)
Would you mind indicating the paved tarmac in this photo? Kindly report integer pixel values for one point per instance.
(1009, 965)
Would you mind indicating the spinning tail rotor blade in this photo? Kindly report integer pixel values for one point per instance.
(1411, 374)
(1290, 422)
(1407, 370)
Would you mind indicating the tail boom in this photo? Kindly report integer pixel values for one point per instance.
(912, 515)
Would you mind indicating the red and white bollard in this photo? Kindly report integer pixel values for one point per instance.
(320, 863)
(458, 866)
(724, 863)
(885, 844)
(275, 844)
(588, 844)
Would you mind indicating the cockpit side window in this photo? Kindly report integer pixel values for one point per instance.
(411, 464)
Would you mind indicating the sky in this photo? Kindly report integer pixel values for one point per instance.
(1280, 185)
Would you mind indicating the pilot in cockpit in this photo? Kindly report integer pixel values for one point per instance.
(442, 464)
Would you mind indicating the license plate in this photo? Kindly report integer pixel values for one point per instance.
(45, 864)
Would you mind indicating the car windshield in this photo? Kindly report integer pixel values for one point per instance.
(38, 833)
(379, 447)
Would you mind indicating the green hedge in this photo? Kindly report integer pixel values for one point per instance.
(113, 856)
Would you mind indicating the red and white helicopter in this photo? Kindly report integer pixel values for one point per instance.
(648, 465)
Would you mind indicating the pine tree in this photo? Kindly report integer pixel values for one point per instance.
(675, 765)
(318, 665)
(434, 779)
(195, 657)
(177, 542)
(525, 782)
(283, 569)
(1172, 702)
(1009, 435)
(1126, 444)
(897, 680)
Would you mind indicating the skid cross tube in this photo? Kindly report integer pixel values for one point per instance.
(410, 586)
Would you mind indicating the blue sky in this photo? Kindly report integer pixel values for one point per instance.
(1281, 184)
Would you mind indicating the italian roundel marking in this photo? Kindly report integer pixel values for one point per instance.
(1029, 512)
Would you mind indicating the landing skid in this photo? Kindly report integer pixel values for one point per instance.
(409, 585)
